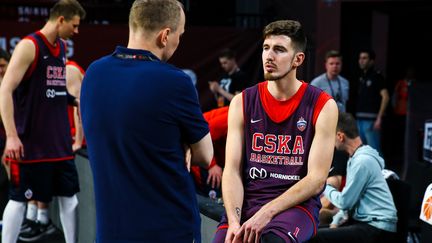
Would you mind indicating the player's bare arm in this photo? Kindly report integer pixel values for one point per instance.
(232, 185)
(22, 58)
(74, 78)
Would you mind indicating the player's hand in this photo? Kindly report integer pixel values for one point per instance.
(231, 232)
(188, 156)
(251, 230)
(76, 146)
(3, 160)
(77, 103)
(14, 148)
(214, 176)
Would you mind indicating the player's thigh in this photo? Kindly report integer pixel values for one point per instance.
(293, 225)
(66, 179)
(31, 181)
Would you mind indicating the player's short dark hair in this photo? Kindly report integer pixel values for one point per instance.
(68, 9)
(291, 28)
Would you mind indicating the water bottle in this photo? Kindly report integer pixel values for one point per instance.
(212, 195)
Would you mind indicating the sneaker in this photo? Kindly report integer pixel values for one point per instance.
(26, 225)
(37, 232)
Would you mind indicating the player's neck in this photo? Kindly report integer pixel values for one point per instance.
(50, 32)
(284, 89)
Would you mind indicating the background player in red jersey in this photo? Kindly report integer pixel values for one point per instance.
(74, 76)
(277, 199)
(210, 178)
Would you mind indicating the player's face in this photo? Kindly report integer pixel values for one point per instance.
(3, 66)
(333, 65)
(279, 57)
(174, 39)
(69, 27)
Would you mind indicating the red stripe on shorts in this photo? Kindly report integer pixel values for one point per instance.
(310, 216)
(224, 226)
(14, 173)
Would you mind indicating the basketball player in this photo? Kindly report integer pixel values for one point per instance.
(34, 110)
(284, 128)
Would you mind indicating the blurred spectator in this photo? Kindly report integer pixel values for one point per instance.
(192, 75)
(400, 93)
(232, 82)
(372, 100)
(331, 81)
(207, 179)
(4, 61)
(74, 77)
(399, 101)
(338, 87)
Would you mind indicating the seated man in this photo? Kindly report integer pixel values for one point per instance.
(366, 195)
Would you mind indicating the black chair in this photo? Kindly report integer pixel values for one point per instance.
(401, 195)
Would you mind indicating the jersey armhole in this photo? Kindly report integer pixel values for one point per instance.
(32, 67)
(244, 106)
(321, 101)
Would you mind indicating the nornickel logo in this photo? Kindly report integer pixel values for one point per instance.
(50, 93)
(256, 173)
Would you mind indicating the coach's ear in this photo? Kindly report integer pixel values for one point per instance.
(162, 38)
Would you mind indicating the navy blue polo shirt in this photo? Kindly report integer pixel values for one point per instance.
(137, 113)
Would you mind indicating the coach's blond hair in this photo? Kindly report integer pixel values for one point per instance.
(153, 15)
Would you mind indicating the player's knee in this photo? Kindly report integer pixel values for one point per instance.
(16, 205)
(68, 203)
(220, 235)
